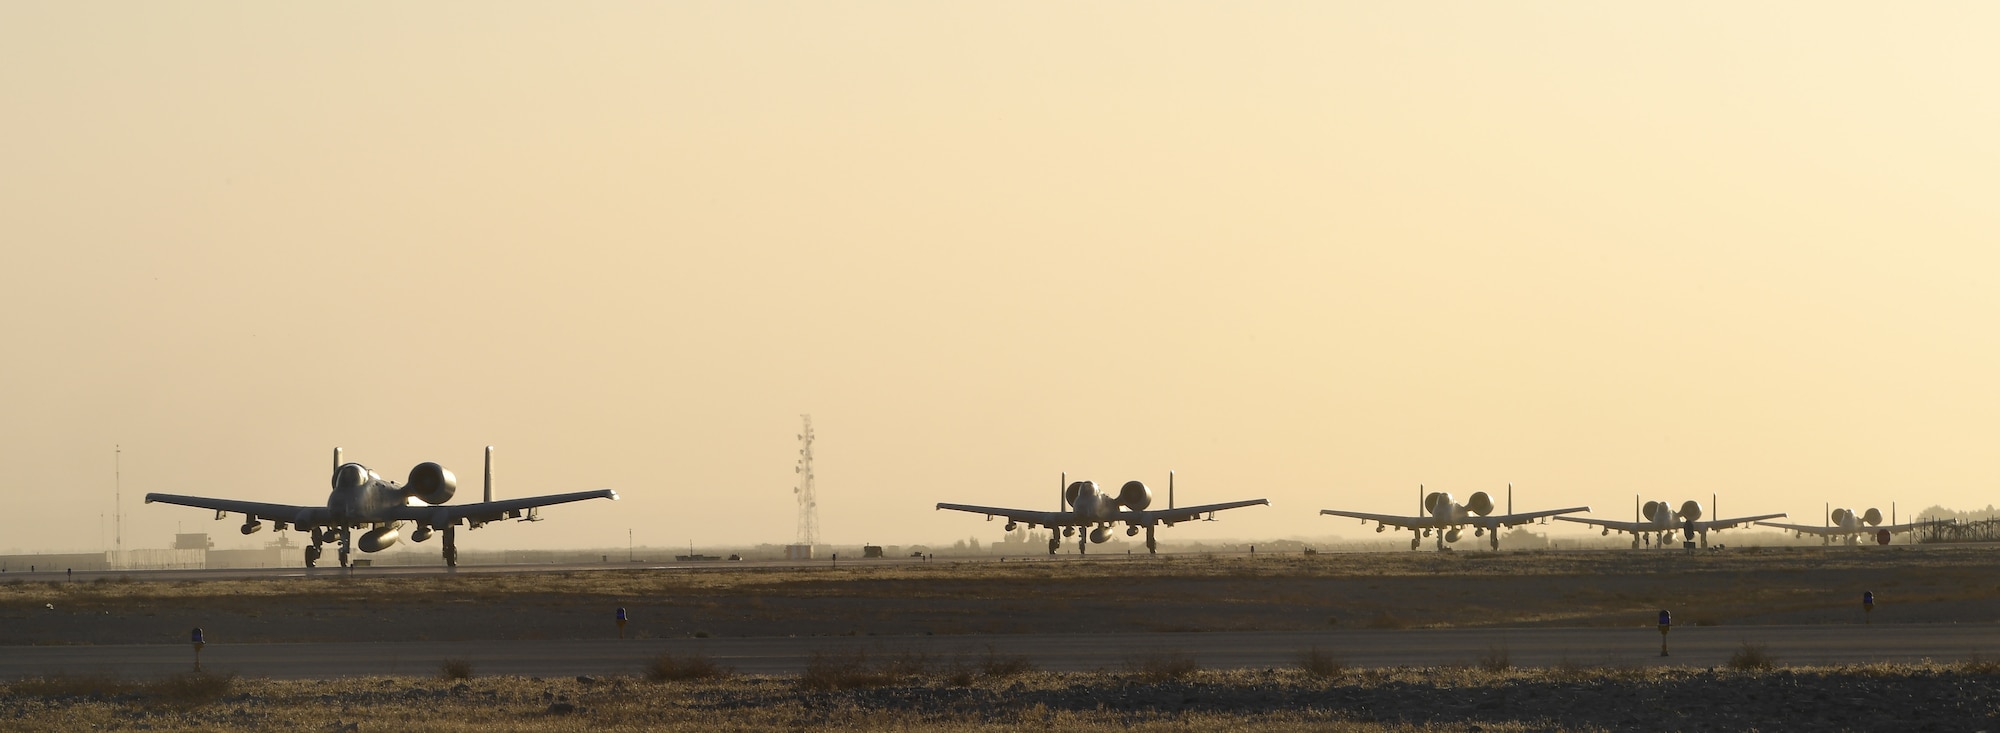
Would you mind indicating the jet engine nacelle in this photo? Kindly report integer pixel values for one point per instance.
(1839, 517)
(1434, 500)
(1451, 536)
(1135, 496)
(431, 483)
(1100, 535)
(1479, 504)
(1873, 517)
(378, 539)
(1690, 510)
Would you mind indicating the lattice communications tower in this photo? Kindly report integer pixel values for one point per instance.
(808, 502)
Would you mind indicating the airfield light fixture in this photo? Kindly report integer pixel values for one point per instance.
(1666, 622)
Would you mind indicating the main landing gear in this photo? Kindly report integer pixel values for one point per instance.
(312, 550)
(345, 536)
(1152, 546)
(1055, 543)
(450, 546)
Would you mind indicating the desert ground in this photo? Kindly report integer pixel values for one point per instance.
(1110, 595)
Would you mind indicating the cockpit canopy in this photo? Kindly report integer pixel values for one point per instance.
(351, 475)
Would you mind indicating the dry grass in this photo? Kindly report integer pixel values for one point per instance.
(1401, 699)
(1496, 659)
(455, 669)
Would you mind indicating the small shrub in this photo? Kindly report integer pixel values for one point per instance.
(191, 689)
(842, 671)
(1001, 666)
(1496, 659)
(1386, 620)
(1752, 656)
(667, 667)
(455, 669)
(1321, 663)
(1164, 666)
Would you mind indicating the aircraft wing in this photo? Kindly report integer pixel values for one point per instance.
(1024, 516)
(1512, 520)
(287, 513)
(1715, 524)
(1837, 531)
(1617, 526)
(1183, 513)
(1811, 529)
(1388, 519)
(478, 513)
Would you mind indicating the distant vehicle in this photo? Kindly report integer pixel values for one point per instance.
(361, 498)
(1089, 513)
(1657, 518)
(1850, 525)
(1447, 519)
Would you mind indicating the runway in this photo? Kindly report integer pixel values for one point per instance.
(1635, 646)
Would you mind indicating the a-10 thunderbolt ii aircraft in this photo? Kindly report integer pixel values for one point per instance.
(1846, 523)
(1447, 519)
(1091, 512)
(361, 498)
(1658, 518)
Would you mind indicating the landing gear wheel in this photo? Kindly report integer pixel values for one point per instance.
(1152, 546)
(1054, 544)
(312, 555)
(450, 548)
(1416, 542)
(1082, 542)
(346, 541)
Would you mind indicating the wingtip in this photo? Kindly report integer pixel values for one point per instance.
(613, 495)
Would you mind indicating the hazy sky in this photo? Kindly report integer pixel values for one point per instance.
(1316, 252)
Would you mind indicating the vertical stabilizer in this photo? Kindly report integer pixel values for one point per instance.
(1062, 485)
(1510, 497)
(1170, 489)
(489, 473)
(336, 458)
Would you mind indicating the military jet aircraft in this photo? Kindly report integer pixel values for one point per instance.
(1447, 518)
(361, 498)
(1850, 525)
(1659, 518)
(1089, 513)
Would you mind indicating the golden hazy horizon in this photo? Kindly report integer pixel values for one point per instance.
(1319, 253)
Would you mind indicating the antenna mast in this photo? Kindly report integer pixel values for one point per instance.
(118, 497)
(808, 502)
